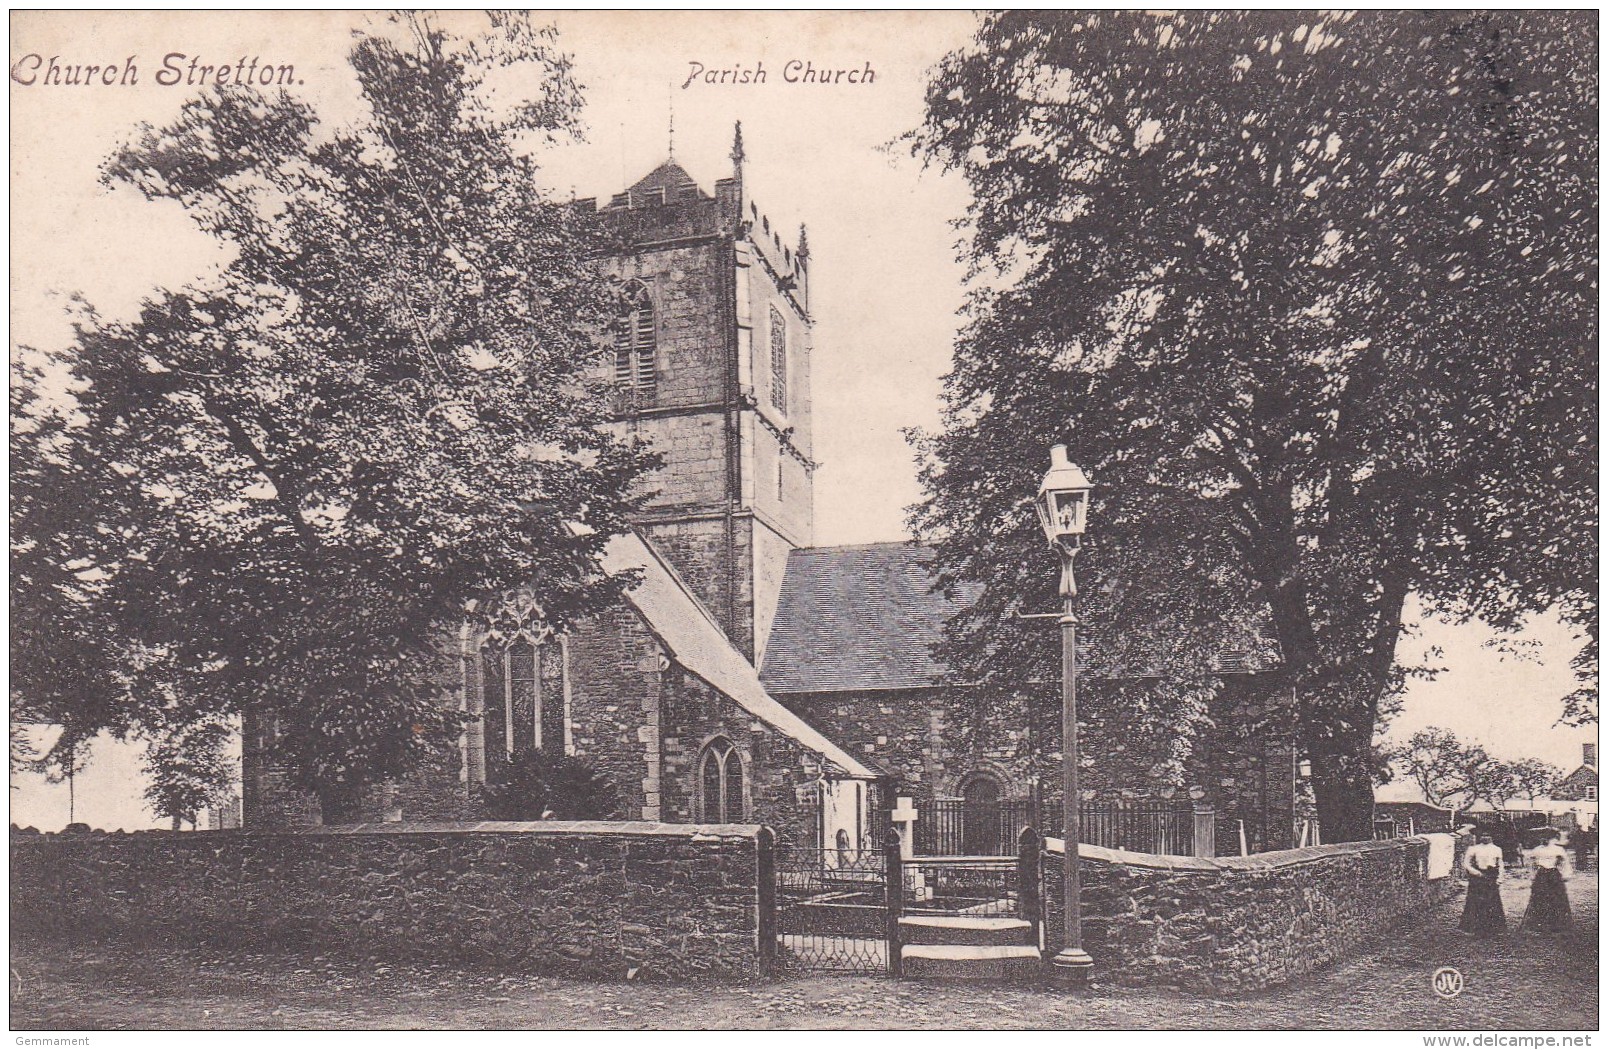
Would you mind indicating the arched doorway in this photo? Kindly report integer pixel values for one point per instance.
(980, 816)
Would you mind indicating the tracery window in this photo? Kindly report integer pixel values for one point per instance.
(720, 780)
(525, 697)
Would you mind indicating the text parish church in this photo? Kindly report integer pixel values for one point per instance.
(751, 677)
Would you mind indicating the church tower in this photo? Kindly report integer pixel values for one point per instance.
(713, 368)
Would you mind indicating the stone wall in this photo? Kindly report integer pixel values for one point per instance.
(584, 898)
(1243, 758)
(615, 686)
(1240, 923)
(779, 775)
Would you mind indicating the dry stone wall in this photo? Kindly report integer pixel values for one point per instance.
(588, 898)
(1235, 924)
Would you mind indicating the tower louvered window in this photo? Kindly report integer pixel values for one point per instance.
(635, 346)
(778, 349)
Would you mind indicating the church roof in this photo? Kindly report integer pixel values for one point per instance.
(867, 617)
(863, 617)
(694, 640)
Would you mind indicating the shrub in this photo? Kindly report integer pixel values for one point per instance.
(534, 784)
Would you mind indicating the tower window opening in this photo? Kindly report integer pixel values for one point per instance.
(635, 346)
(778, 351)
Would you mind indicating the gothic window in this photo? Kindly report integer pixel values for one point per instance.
(778, 351)
(524, 697)
(635, 346)
(720, 783)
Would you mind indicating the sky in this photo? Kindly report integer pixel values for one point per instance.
(886, 286)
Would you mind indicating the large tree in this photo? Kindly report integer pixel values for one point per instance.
(1313, 299)
(279, 490)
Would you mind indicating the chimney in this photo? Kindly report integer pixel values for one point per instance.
(1588, 754)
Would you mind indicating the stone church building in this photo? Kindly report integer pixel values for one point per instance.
(750, 677)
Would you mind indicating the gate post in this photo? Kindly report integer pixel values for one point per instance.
(1205, 829)
(1029, 846)
(765, 877)
(893, 884)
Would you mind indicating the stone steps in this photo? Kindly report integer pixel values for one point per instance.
(964, 929)
(986, 962)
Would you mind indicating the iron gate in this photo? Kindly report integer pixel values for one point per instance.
(831, 910)
(838, 910)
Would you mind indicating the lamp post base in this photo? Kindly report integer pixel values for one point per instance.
(1072, 966)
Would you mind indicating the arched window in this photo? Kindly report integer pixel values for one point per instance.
(720, 783)
(526, 702)
(778, 350)
(635, 346)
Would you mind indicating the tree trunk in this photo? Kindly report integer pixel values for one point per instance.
(1337, 727)
(1343, 788)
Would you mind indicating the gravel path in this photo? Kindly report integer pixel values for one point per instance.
(1521, 982)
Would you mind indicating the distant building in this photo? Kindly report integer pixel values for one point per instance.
(1412, 818)
(1581, 785)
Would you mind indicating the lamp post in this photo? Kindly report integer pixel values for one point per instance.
(1063, 506)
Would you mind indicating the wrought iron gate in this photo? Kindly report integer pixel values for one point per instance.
(831, 910)
(838, 910)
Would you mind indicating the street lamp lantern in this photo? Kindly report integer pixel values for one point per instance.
(1063, 501)
(1063, 511)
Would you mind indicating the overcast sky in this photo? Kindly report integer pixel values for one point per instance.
(885, 283)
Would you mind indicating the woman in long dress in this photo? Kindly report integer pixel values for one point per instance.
(1482, 912)
(1549, 901)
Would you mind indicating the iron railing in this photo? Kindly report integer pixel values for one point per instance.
(1139, 825)
(956, 828)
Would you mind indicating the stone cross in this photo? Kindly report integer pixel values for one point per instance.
(904, 815)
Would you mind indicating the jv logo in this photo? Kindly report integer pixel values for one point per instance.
(1448, 982)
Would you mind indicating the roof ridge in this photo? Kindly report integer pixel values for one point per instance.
(874, 545)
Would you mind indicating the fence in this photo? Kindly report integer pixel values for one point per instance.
(1141, 826)
(956, 828)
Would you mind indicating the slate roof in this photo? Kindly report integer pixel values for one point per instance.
(862, 617)
(866, 617)
(666, 184)
(694, 640)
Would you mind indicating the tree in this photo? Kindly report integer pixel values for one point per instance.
(279, 491)
(1312, 298)
(1449, 772)
(535, 785)
(1533, 778)
(189, 769)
